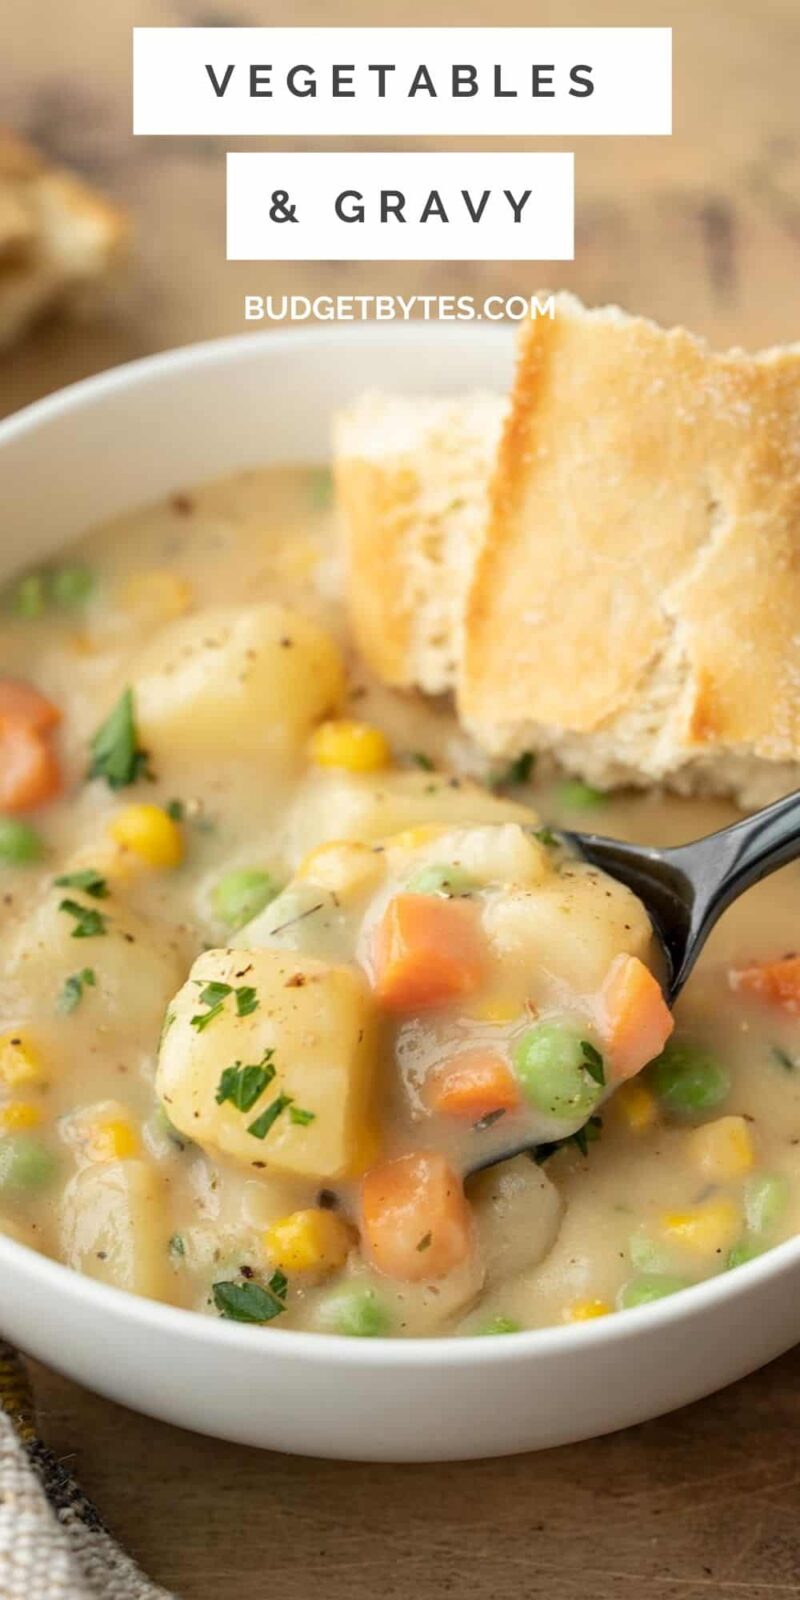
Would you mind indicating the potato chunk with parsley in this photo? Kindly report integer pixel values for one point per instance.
(269, 1057)
(234, 680)
(113, 1226)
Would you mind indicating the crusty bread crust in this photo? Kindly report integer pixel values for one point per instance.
(57, 235)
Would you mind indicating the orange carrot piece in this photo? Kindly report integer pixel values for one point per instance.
(637, 1019)
(472, 1085)
(415, 1220)
(29, 772)
(427, 951)
(775, 981)
(20, 702)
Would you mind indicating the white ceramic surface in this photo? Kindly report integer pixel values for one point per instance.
(107, 445)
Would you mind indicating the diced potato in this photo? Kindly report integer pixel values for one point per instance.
(518, 1212)
(313, 1027)
(347, 869)
(571, 928)
(231, 681)
(114, 1228)
(135, 963)
(374, 806)
(502, 852)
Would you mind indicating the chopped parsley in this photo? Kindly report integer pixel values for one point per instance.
(419, 759)
(246, 1001)
(115, 751)
(301, 1117)
(425, 1242)
(260, 1128)
(176, 810)
(72, 992)
(242, 1085)
(547, 837)
(250, 1301)
(783, 1058)
(91, 882)
(89, 924)
(593, 1063)
(585, 1136)
(213, 995)
(518, 771)
(177, 1245)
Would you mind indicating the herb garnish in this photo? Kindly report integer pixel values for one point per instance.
(518, 771)
(425, 1242)
(72, 992)
(242, 1085)
(176, 810)
(177, 1246)
(89, 924)
(214, 996)
(301, 1117)
(246, 1001)
(593, 1063)
(116, 753)
(585, 1136)
(546, 836)
(419, 759)
(88, 880)
(249, 1301)
(783, 1058)
(260, 1128)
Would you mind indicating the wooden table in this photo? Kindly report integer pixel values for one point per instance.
(704, 229)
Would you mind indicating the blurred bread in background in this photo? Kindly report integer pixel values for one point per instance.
(58, 237)
(610, 577)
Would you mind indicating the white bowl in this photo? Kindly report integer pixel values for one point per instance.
(103, 447)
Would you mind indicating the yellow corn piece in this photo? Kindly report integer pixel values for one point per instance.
(346, 868)
(723, 1149)
(19, 1060)
(708, 1229)
(308, 1241)
(587, 1310)
(637, 1106)
(494, 1008)
(157, 595)
(112, 1140)
(415, 838)
(356, 746)
(19, 1114)
(149, 833)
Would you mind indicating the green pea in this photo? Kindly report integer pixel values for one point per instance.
(550, 1064)
(765, 1200)
(71, 586)
(498, 1325)
(240, 895)
(746, 1250)
(650, 1286)
(440, 879)
(355, 1312)
(28, 597)
(574, 795)
(25, 1164)
(19, 842)
(688, 1080)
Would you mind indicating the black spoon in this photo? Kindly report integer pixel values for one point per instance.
(686, 889)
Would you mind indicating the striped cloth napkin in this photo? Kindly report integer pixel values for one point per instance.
(53, 1545)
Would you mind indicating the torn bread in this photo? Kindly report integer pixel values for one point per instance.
(57, 236)
(632, 598)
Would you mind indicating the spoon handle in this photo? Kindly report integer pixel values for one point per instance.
(719, 868)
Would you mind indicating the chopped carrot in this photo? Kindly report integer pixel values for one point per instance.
(472, 1085)
(637, 1019)
(416, 1221)
(29, 773)
(20, 702)
(427, 951)
(775, 981)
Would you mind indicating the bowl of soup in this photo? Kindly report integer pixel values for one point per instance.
(340, 1108)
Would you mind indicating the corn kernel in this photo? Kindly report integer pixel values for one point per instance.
(707, 1229)
(587, 1310)
(308, 1241)
(415, 838)
(156, 596)
(356, 746)
(345, 868)
(494, 1008)
(637, 1105)
(723, 1149)
(19, 1114)
(114, 1140)
(149, 833)
(19, 1060)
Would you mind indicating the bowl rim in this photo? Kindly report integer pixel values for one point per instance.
(320, 1348)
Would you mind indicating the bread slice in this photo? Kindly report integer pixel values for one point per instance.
(632, 599)
(412, 481)
(57, 236)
